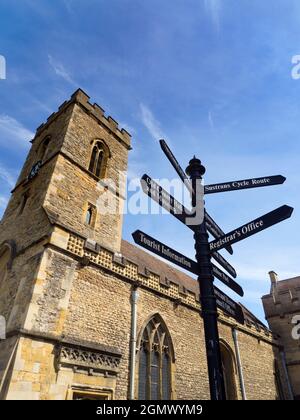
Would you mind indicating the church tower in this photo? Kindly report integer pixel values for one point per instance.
(70, 191)
(89, 315)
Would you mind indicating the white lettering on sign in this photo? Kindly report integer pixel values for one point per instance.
(164, 251)
(260, 181)
(217, 187)
(244, 230)
(247, 183)
(224, 302)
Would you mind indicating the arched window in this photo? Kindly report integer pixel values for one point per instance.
(228, 366)
(98, 162)
(155, 359)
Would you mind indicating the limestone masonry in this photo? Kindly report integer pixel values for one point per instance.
(70, 287)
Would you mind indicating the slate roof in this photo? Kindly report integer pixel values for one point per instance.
(145, 260)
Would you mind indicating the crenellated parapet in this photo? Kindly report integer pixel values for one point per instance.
(284, 297)
(82, 99)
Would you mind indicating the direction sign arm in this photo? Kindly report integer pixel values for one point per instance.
(255, 226)
(174, 162)
(244, 184)
(215, 230)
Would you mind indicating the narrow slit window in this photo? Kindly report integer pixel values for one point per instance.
(24, 201)
(90, 215)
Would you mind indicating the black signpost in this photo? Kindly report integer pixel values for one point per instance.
(249, 229)
(164, 199)
(215, 230)
(244, 184)
(229, 306)
(225, 264)
(210, 296)
(166, 252)
(228, 281)
(211, 225)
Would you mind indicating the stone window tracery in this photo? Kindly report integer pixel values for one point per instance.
(155, 362)
(98, 161)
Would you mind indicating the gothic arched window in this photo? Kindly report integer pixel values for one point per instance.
(228, 367)
(155, 359)
(98, 160)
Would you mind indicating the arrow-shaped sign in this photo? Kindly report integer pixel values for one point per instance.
(182, 261)
(164, 251)
(211, 225)
(215, 230)
(257, 225)
(225, 264)
(174, 162)
(244, 184)
(229, 306)
(167, 201)
(228, 281)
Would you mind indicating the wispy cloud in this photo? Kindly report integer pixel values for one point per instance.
(213, 8)
(3, 202)
(211, 120)
(128, 128)
(60, 70)
(151, 123)
(260, 274)
(12, 132)
(7, 176)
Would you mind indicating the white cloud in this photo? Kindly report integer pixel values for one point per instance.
(128, 128)
(260, 274)
(151, 123)
(213, 8)
(3, 202)
(7, 176)
(60, 70)
(13, 133)
(211, 121)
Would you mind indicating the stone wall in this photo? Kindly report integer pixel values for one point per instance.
(281, 306)
(92, 304)
(67, 296)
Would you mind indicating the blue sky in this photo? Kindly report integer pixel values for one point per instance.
(212, 77)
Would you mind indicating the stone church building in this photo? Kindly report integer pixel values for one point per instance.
(282, 310)
(91, 316)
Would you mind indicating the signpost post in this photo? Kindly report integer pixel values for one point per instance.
(210, 296)
(207, 297)
(211, 225)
